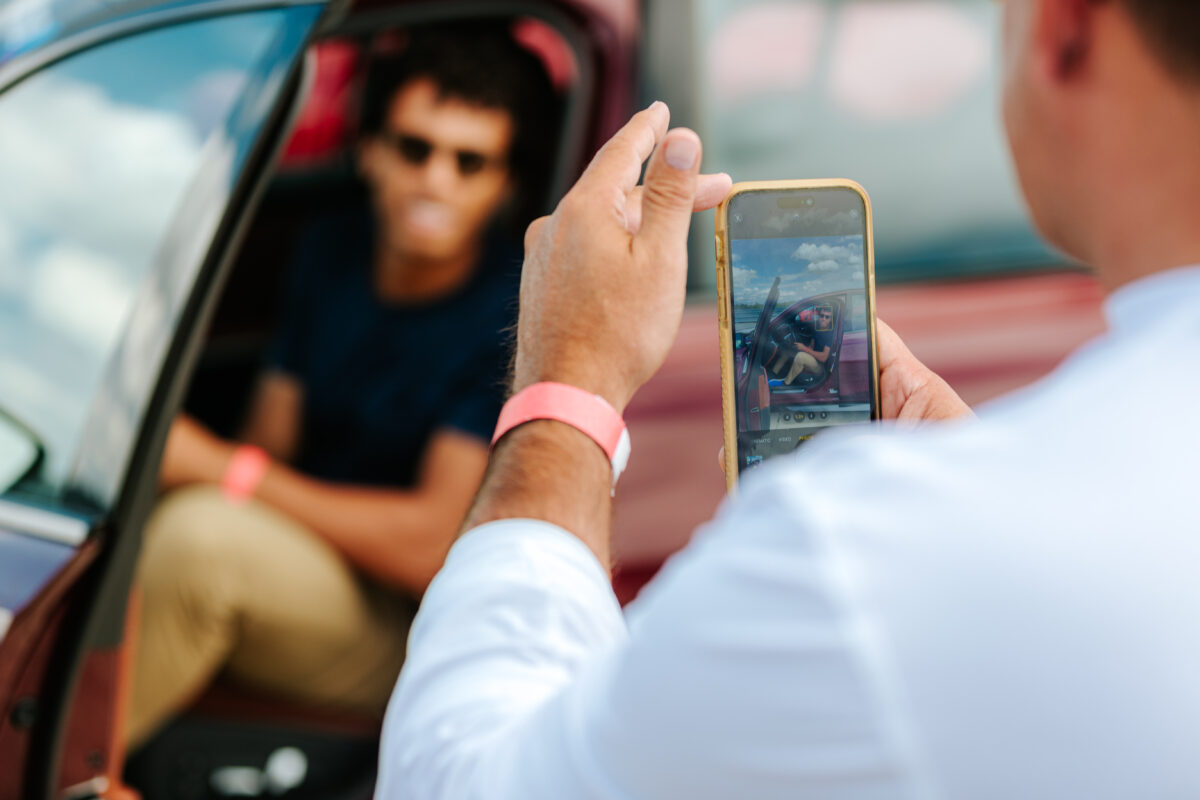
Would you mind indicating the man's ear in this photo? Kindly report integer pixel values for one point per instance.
(511, 190)
(1063, 35)
(366, 158)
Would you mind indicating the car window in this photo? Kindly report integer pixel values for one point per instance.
(102, 151)
(857, 321)
(26, 25)
(899, 95)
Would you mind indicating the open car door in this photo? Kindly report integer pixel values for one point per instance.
(753, 391)
(136, 138)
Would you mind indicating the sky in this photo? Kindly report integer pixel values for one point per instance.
(98, 152)
(809, 266)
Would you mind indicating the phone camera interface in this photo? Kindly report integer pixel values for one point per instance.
(800, 325)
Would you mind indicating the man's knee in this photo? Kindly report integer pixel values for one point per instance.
(192, 547)
(808, 362)
(186, 526)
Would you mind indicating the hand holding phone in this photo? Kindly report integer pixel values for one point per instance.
(796, 306)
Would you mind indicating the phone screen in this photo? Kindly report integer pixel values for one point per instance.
(801, 316)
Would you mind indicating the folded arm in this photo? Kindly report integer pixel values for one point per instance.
(400, 536)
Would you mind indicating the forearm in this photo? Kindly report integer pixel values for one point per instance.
(274, 419)
(549, 471)
(399, 536)
(520, 609)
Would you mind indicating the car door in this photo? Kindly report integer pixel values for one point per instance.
(132, 142)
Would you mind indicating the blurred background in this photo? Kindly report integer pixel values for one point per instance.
(901, 96)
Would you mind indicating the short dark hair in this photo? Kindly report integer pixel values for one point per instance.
(480, 63)
(1172, 28)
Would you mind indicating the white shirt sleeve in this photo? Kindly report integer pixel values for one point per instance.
(520, 607)
(742, 677)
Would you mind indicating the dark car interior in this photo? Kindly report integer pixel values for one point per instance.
(235, 742)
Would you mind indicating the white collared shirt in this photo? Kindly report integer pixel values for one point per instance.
(1003, 608)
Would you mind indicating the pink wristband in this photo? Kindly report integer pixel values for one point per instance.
(245, 472)
(587, 412)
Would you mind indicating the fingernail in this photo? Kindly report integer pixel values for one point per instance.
(655, 103)
(681, 152)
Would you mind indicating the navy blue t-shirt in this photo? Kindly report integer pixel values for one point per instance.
(823, 339)
(380, 378)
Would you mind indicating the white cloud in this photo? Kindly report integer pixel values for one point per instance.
(824, 266)
(743, 275)
(211, 98)
(10, 270)
(89, 186)
(99, 185)
(776, 224)
(822, 252)
(85, 205)
(80, 293)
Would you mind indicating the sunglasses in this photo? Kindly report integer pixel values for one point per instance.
(416, 151)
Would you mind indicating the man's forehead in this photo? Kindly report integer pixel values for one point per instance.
(419, 107)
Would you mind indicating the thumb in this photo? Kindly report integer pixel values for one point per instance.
(669, 193)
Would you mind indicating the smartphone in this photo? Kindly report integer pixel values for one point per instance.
(796, 307)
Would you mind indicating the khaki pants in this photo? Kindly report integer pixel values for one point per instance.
(801, 362)
(247, 590)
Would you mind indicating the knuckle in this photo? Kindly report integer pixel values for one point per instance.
(573, 205)
(534, 231)
(668, 194)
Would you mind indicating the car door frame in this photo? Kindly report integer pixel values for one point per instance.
(92, 589)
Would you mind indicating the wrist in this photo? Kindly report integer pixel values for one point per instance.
(592, 381)
(587, 412)
(245, 468)
(551, 471)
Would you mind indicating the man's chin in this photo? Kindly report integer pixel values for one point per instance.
(427, 247)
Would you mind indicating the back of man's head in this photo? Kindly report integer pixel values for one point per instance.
(1102, 105)
(481, 64)
(1172, 28)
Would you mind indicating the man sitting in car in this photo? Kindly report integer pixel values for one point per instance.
(293, 561)
(805, 353)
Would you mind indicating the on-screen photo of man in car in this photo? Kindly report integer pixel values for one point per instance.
(803, 352)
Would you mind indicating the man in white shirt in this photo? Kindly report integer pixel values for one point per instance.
(996, 608)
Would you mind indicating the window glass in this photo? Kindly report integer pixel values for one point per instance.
(100, 153)
(900, 95)
(857, 321)
(28, 24)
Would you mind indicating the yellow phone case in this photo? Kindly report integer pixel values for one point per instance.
(725, 308)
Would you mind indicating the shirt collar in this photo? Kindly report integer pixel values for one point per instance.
(1148, 298)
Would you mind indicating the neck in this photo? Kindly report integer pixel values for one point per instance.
(1146, 192)
(407, 278)
(1154, 225)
